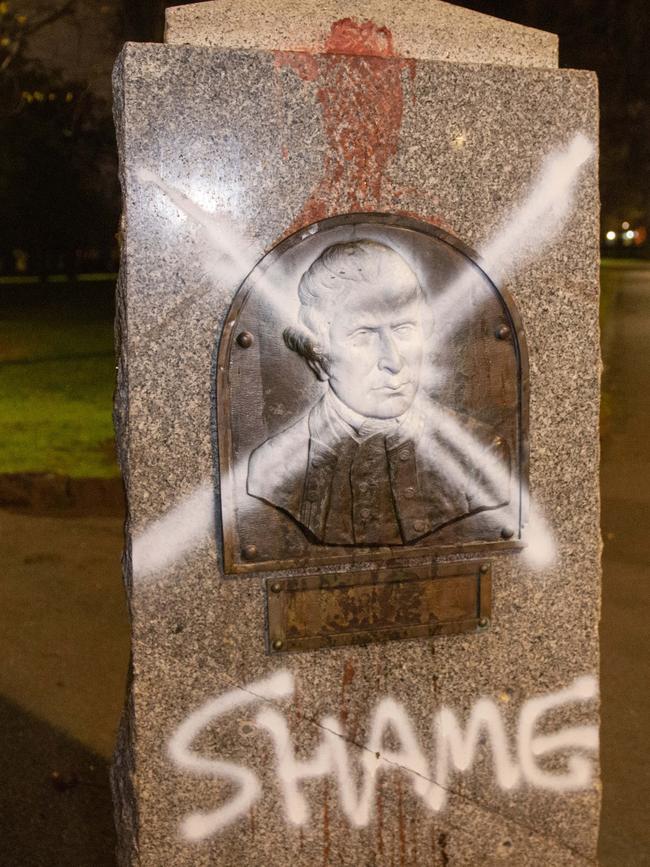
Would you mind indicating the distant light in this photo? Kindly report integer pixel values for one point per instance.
(611, 236)
(626, 225)
(630, 234)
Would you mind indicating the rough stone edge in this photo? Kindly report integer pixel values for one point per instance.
(123, 768)
(177, 32)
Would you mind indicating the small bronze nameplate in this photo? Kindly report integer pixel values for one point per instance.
(349, 608)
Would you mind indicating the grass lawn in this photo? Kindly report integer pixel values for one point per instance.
(56, 381)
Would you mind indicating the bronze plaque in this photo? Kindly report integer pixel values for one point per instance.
(330, 610)
(372, 401)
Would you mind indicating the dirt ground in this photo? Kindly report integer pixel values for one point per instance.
(64, 641)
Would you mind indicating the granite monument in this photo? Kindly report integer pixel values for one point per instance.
(357, 410)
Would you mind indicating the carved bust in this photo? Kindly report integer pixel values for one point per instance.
(375, 461)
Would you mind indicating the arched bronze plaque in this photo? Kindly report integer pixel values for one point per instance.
(371, 401)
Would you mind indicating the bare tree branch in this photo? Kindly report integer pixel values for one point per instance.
(68, 8)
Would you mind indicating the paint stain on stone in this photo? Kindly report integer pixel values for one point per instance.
(413, 839)
(326, 824)
(348, 36)
(400, 823)
(443, 839)
(303, 63)
(379, 802)
(348, 677)
(297, 705)
(361, 94)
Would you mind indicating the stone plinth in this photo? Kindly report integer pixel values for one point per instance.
(224, 151)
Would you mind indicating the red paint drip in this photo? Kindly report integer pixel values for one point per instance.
(400, 824)
(360, 93)
(348, 36)
(326, 824)
(303, 63)
(360, 90)
(380, 817)
(348, 676)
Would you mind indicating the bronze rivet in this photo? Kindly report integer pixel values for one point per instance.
(245, 339)
(498, 441)
(365, 513)
(484, 569)
(363, 487)
(507, 533)
(419, 526)
(483, 622)
(503, 332)
(409, 493)
(275, 588)
(278, 644)
(249, 552)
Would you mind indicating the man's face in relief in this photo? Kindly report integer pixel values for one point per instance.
(375, 350)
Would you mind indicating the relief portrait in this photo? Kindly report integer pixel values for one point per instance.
(368, 464)
(372, 383)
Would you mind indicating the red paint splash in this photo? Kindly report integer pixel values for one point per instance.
(348, 36)
(297, 705)
(360, 90)
(326, 824)
(348, 677)
(304, 64)
(379, 801)
(400, 824)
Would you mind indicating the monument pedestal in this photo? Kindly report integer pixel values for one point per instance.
(392, 718)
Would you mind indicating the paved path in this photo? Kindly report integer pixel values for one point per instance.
(625, 626)
(64, 650)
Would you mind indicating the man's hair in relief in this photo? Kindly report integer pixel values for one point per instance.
(337, 273)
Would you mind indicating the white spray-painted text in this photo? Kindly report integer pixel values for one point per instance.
(455, 750)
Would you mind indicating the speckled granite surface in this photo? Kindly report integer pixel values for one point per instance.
(243, 132)
(423, 29)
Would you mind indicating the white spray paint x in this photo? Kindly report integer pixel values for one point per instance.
(228, 255)
(456, 749)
